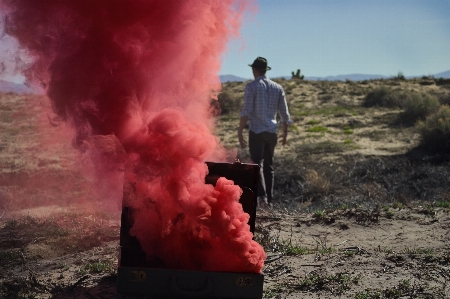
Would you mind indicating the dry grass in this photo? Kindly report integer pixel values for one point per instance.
(316, 183)
(362, 211)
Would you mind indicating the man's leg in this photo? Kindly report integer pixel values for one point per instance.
(268, 169)
(256, 148)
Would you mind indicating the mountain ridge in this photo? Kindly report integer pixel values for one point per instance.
(352, 77)
(7, 86)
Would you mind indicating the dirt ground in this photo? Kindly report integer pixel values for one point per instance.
(361, 210)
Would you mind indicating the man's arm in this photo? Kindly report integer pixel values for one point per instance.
(284, 135)
(285, 117)
(242, 122)
(246, 110)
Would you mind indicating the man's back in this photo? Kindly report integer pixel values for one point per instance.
(263, 98)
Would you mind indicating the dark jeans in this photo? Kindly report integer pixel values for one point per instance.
(262, 148)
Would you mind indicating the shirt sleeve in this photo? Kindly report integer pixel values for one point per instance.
(283, 109)
(249, 99)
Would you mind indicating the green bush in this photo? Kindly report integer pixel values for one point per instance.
(435, 130)
(317, 129)
(384, 97)
(228, 103)
(418, 106)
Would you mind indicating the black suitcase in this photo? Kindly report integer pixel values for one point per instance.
(138, 276)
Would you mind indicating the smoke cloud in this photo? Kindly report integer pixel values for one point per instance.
(140, 73)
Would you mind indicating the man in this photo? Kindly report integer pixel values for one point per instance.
(263, 100)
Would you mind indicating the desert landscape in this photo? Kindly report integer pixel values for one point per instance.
(362, 196)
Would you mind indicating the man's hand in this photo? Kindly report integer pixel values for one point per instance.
(284, 134)
(283, 138)
(242, 142)
(242, 122)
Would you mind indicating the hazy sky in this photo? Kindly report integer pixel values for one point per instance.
(333, 37)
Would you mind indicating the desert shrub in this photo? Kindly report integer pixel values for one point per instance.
(426, 82)
(445, 99)
(435, 130)
(418, 106)
(442, 81)
(384, 97)
(229, 103)
(288, 88)
(316, 184)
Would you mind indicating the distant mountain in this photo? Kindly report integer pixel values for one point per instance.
(352, 77)
(6, 86)
(443, 75)
(231, 78)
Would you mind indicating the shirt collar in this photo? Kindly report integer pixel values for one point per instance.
(261, 77)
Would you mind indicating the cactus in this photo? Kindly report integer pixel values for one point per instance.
(297, 75)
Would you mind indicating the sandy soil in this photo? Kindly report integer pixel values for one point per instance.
(360, 211)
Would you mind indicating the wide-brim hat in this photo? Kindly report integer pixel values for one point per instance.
(260, 63)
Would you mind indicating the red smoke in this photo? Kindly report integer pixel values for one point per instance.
(143, 71)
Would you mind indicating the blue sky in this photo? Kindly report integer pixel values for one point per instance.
(334, 37)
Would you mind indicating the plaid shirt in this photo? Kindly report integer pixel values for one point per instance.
(263, 98)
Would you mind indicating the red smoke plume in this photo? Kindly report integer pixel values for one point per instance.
(142, 71)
